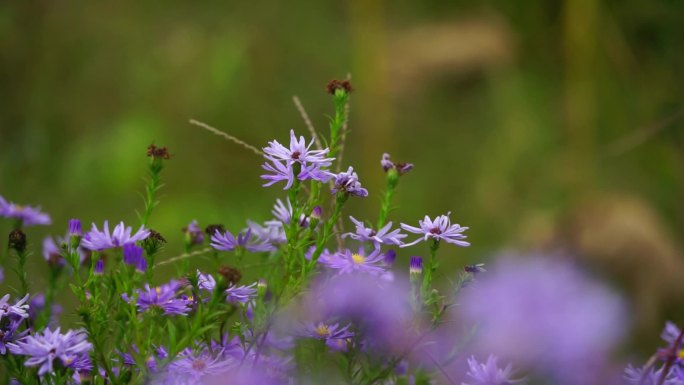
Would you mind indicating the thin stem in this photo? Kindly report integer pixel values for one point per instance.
(427, 274)
(307, 122)
(226, 136)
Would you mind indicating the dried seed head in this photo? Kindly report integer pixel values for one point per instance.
(231, 274)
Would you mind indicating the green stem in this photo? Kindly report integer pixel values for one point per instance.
(386, 204)
(427, 272)
(21, 272)
(341, 98)
(327, 232)
(152, 187)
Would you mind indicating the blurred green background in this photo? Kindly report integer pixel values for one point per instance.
(542, 125)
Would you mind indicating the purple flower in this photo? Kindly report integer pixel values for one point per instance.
(99, 267)
(28, 215)
(439, 229)
(489, 373)
(205, 282)
(474, 269)
(101, 240)
(132, 254)
(387, 165)
(324, 331)
(163, 298)
(544, 312)
(347, 262)
(8, 334)
(272, 232)
(416, 266)
(279, 171)
(636, 376)
(284, 213)
(43, 348)
(228, 242)
(75, 229)
(191, 367)
(37, 305)
(193, 233)
(17, 311)
(52, 253)
(240, 294)
(298, 152)
(383, 236)
(390, 257)
(348, 183)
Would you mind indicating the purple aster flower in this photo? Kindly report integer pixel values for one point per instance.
(390, 257)
(191, 367)
(46, 346)
(489, 373)
(101, 240)
(298, 152)
(52, 253)
(272, 232)
(240, 294)
(193, 233)
(99, 267)
(416, 266)
(228, 242)
(28, 215)
(9, 334)
(163, 298)
(636, 376)
(383, 236)
(387, 165)
(205, 282)
(279, 171)
(132, 254)
(545, 313)
(439, 229)
(325, 331)
(75, 229)
(17, 311)
(347, 262)
(348, 182)
(284, 213)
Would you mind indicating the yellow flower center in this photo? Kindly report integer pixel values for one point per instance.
(358, 258)
(158, 290)
(681, 354)
(323, 330)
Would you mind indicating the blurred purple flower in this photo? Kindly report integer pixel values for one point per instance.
(240, 294)
(228, 242)
(439, 229)
(46, 346)
(387, 165)
(75, 229)
(284, 213)
(193, 233)
(381, 237)
(14, 312)
(191, 367)
(28, 215)
(272, 232)
(163, 298)
(489, 373)
(546, 313)
(101, 240)
(9, 334)
(636, 376)
(132, 254)
(347, 262)
(348, 182)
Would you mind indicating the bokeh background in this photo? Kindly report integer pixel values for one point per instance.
(553, 126)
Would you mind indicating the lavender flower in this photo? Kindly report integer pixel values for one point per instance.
(28, 215)
(439, 229)
(228, 242)
(191, 367)
(75, 229)
(381, 237)
(474, 269)
(132, 254)
(636, 376)
(324, 331)
(272, 232)
(43, 348)
(545, 313)
(387, 165)
(163, 298)
(347, 262)
(240, 294)
(99, 267)
(416, 266)
(52, 253)
(298, 152)
(193, 233)
(284, 213)
(17, 311)
(279, 171)
(489, 373)
(348, 183)
(205, 282)
(8, 334)
(101, 240)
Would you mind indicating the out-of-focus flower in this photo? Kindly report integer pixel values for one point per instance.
(132, 254)
(228, 242)
(272, 232)
(205, 282)
(241, 294)
(191, 367)
(37, 305)
(52, 253)
(102, 240)
(17, 311)
(29, 216)
(387, 164)
(193, 233)
(381, 237)
(284, 213)
(636, 376)
(9, 334)
(348, 182)
(44, 347)
(474, 269)
(75, 228)
(544, 312)
(347, 262)
(489, 373)
(439, 229)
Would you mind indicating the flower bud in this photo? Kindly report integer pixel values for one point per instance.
(416, 267)
(17, 240)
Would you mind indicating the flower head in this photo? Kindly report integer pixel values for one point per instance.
(651, 376)
(298, 152)
(387, 164)
(163, 298)
(489, 373)
(75, 228)
(325, 331)
(9, 334)
(240, 294)
(193, 233)
(272, 232)
(347, 262)
(17, 311)
(101, 240)
(348, 182)
(228, 242)
(381, 237)
(28, 215)
(43, 348)
(439, 229)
